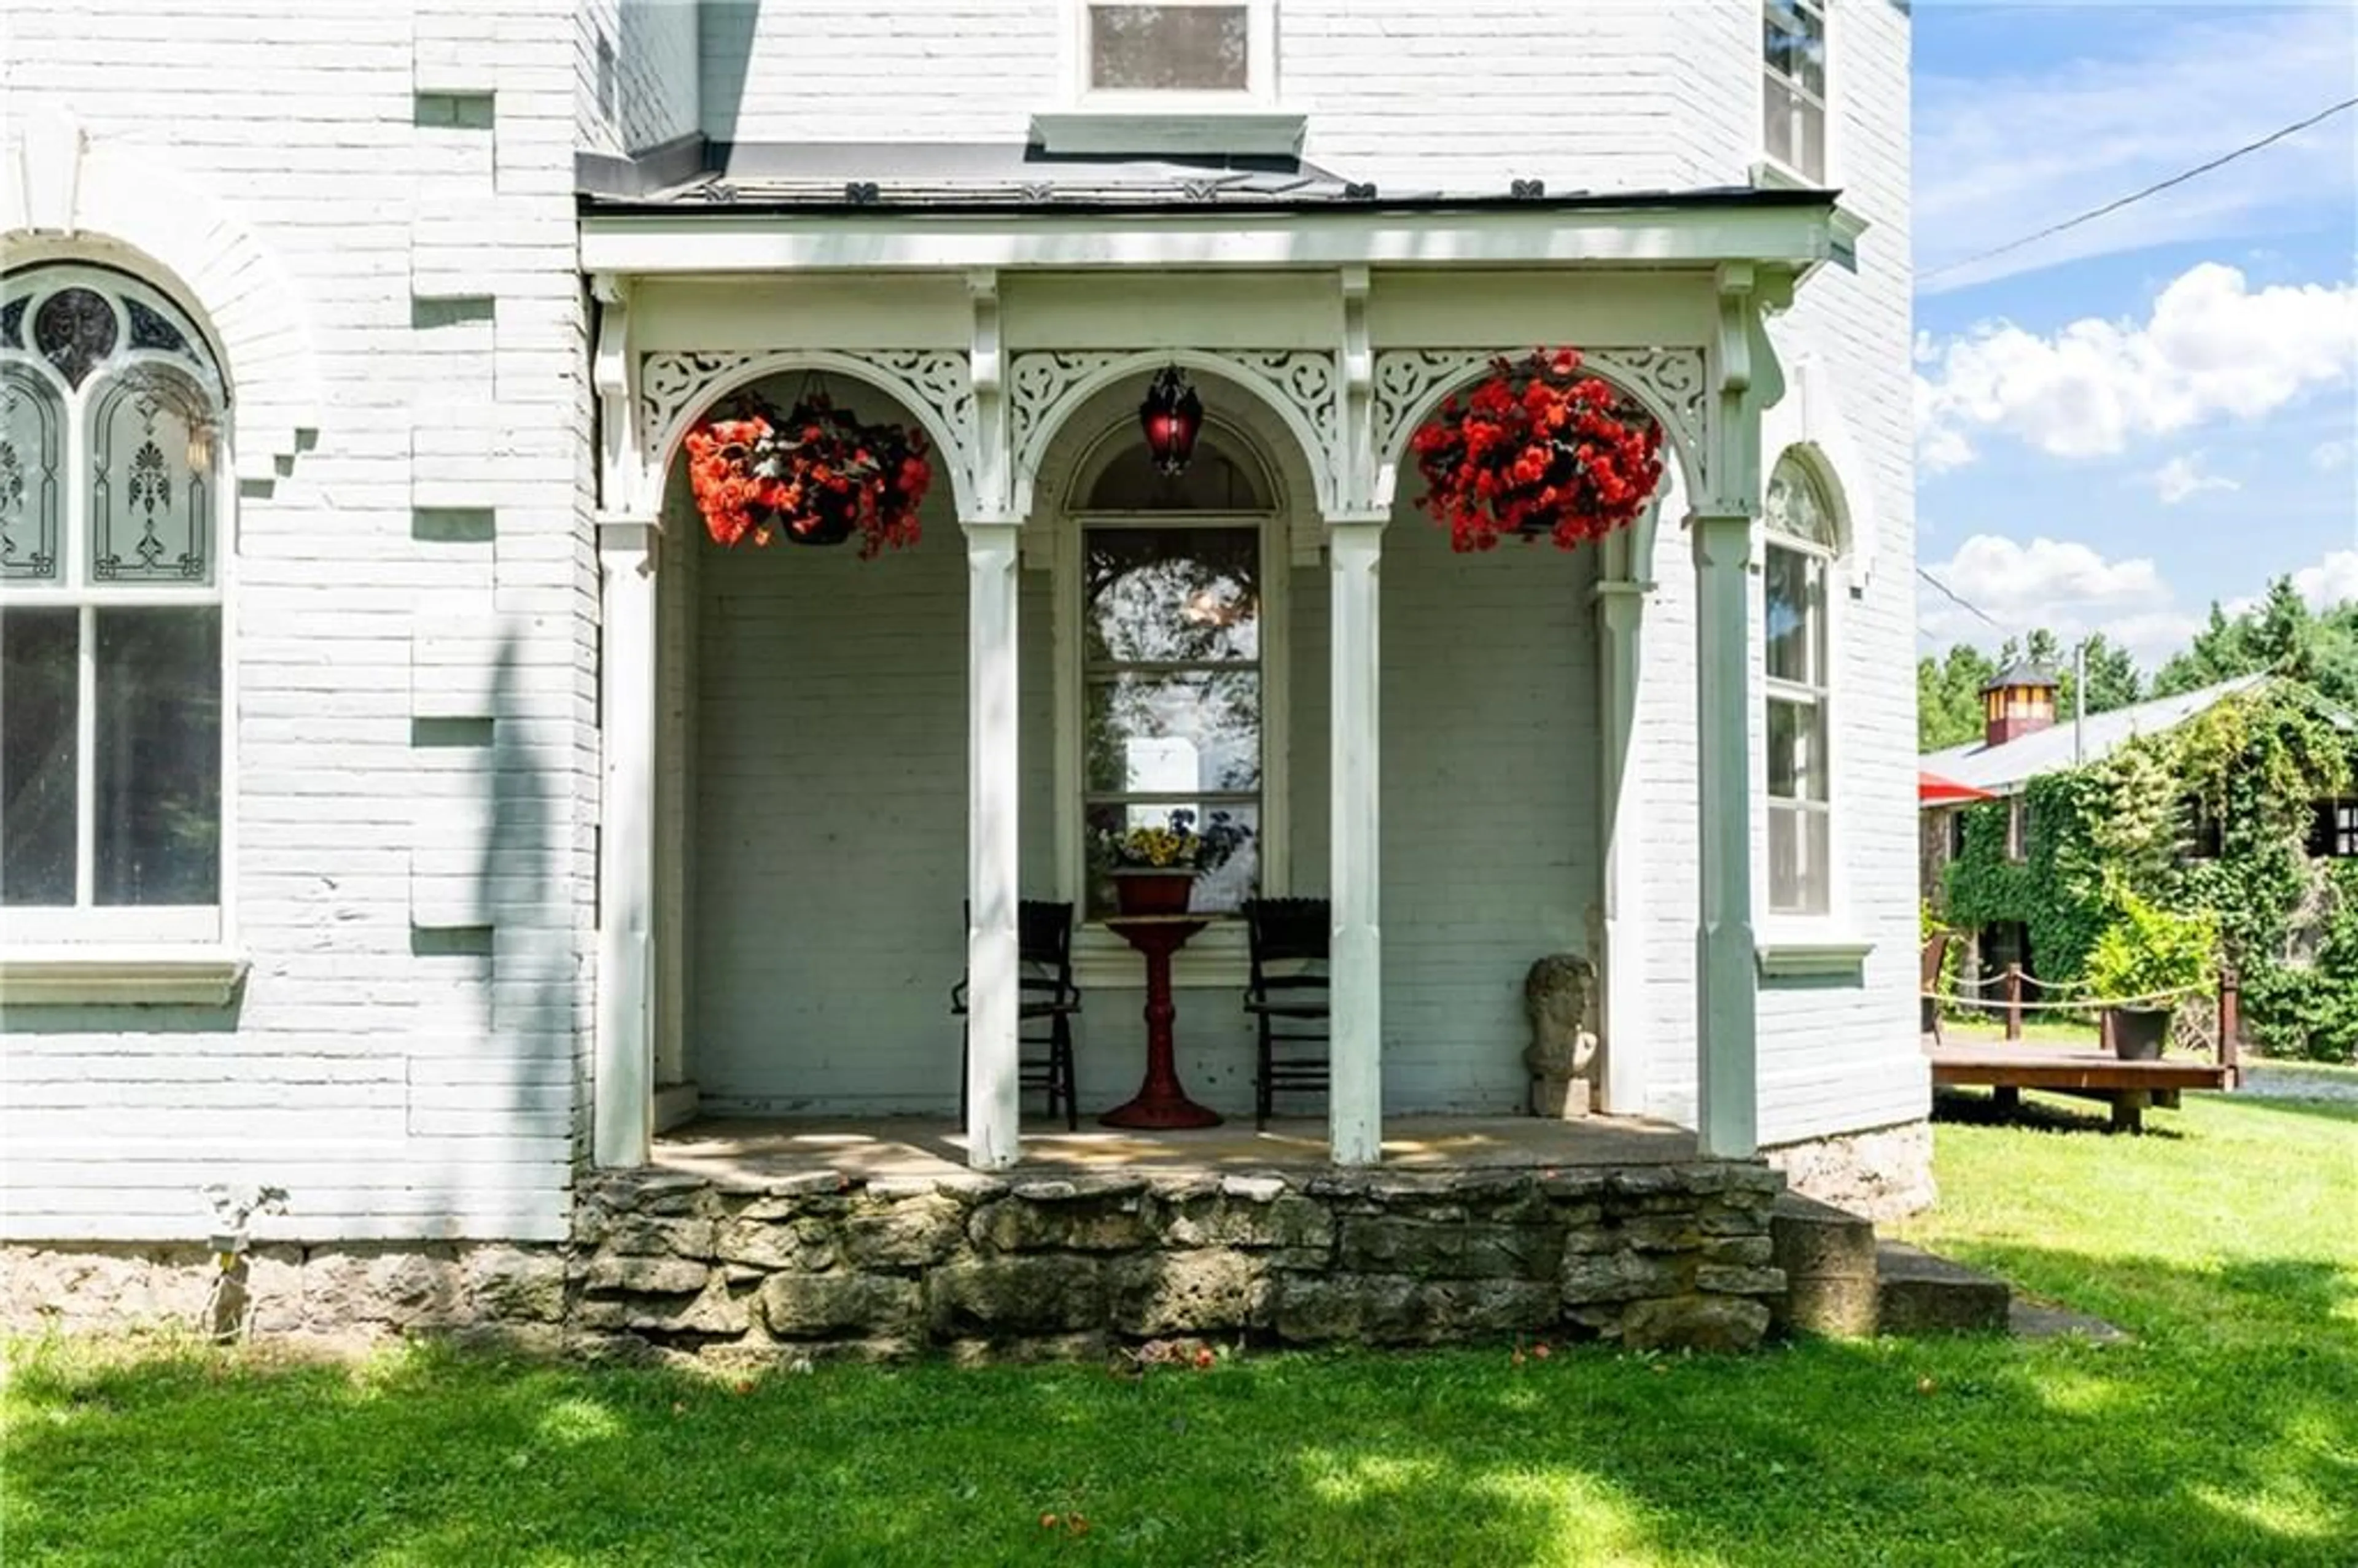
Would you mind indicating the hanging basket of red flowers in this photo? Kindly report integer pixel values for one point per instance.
(1538, 450)
(814, 475)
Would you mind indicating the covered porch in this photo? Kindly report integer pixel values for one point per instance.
(1321, 340)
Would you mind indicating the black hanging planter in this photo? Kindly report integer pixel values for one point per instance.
(834, 529)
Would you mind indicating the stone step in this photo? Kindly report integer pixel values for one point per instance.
(1919, 1294)
(1829, 1259)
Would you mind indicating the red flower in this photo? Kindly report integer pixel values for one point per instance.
(1537, 449)
(748, 476)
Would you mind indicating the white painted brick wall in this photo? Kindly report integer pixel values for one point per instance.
(1832, 1057)
(1586, 94)
(1491, 857)
(396, 1084)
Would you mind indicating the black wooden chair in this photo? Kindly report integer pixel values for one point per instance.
(1046, 1000)
(1287, 995)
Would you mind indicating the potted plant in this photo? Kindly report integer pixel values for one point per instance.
(2144, 962)
(1538, 450)
(1154, 868)
(816, 475)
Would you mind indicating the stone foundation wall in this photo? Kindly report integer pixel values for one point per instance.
(358, 1289)
(1656, 1256)
(816, 1266)
(1881, 1175)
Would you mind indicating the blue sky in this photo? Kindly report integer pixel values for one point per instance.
(2159, 409)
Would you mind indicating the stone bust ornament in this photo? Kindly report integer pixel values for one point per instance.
(1559, 997)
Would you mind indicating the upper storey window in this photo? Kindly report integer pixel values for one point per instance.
(1793, 93)
(1214, 50)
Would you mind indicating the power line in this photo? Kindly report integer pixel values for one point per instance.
(1961, 602)
(2136, 196)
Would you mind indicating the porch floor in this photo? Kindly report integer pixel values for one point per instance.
(902, 1148)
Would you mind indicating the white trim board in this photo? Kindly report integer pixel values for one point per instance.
(665, 242)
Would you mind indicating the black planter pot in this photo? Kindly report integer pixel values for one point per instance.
(2138, 1033)
(825, 530)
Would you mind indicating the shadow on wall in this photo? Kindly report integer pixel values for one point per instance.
(726, 30)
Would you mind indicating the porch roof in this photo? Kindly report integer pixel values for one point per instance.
(981, 206)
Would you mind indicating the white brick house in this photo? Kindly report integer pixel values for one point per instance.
(434, 811)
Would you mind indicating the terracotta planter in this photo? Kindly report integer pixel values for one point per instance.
(2138, 1033)
(1152, 891)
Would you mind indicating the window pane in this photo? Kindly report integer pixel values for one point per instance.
(1177, 734)
(1799, 875)
(1168, 594)
(158, 764)
(1794, 129)
(31, 428)
(1797, 505)
(1218, 889)
(1797, 769)
(150, 511)
(1796, 586)
(38, 693)
(1162, 49)
(1794, 42)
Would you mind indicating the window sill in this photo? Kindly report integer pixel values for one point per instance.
(1174, 129)
(103, 977)
(1771, 174)
(1828, 954)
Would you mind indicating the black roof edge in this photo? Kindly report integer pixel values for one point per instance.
(593, 203)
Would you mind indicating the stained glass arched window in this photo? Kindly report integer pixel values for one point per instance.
(111, 484)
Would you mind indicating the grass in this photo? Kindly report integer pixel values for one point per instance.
(2228, 1434)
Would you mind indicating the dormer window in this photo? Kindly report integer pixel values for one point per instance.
(1207, 50)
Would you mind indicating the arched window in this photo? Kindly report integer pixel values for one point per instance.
(1804, 543)
(1174, 602)
(111, 729)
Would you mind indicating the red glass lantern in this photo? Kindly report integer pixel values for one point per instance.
(1171, 416)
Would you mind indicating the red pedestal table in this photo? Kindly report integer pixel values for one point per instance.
(1160, 1103)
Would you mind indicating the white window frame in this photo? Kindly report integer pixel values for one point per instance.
(89, 951)
(1794, 942)
(1217, 956)
(1772, 170)
(1260, 66)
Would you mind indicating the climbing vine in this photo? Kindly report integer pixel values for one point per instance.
(2212, 817)
(2056, 890)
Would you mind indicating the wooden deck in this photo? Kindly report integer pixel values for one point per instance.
(2008, 1068)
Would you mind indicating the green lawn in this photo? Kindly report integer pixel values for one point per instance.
(2228, 1434)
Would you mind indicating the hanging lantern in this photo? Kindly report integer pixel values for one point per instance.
(1171, 416)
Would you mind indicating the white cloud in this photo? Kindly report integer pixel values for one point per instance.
(2213, 348)
(2063, 586)
(2000, 156)
(2182, 477)
(2327, 455)
(2333, 581)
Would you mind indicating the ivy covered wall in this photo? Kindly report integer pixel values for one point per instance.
(2215, 816)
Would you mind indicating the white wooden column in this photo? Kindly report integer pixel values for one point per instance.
(993, 1092)
(1727, 1099)
(1355, 1100)
(1620, 604)
(622, 1104)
